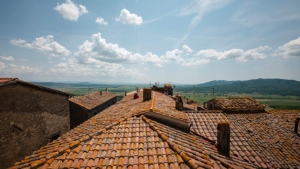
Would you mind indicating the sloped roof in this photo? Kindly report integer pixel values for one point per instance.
(12, 81)
(122, 136)
(5, 80)
(92, 100)
(238, 103)
(271, 135)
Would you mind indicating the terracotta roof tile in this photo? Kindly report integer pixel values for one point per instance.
(268, 138)
(122, 137)
(237, 103)
(5, 80)
(92, 100)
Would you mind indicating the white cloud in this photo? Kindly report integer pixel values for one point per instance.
(7, 58)
(17, 42)
(187, 49)
(101, 21)
(94, 68)
(200, 8)
(43, 44)
(100, 50)
(15, 70)
(238, 54)
(290, 49)
(2, 66)
(129, 18)
(71, 11)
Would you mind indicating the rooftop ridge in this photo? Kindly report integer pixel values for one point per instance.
(175, 147)
(16, 80)
(48, 159)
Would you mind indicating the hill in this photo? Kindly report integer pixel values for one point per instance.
(261, 86)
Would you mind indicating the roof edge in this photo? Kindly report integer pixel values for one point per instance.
(16, 81)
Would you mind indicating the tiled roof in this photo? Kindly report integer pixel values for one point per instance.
(122, 136)
(165, 105)
(238, 103)
(11, 81)
(92, 100)
(265, 140)
(271, 136)
(4, 80)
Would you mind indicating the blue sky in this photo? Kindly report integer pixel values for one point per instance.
(146, 41)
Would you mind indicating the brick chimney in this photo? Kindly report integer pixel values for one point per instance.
(146, 94)
(223, 138)
(296, 125)
(178, 103)
(100, 92)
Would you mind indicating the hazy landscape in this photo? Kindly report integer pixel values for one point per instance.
(273, 93)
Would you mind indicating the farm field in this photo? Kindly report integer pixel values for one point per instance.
(270, 101)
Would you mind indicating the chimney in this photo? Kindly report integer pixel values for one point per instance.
(100, 92)
(137, 89)
(126, 93)
(297, 124)
(178, 103)
(146, 94)
(223, 138)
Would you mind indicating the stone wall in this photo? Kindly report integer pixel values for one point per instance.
(29, 117)
(78, 114)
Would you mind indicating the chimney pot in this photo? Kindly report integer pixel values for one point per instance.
(297, 124)
(223, 138)
(178, 103)
(146, 94)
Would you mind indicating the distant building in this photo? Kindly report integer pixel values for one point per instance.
(234, 105)
(85, 107)
(167, 89)
(30, 116)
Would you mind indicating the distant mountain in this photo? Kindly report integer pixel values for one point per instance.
(262, 86)
(215, 83)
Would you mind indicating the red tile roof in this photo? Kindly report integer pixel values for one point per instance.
(122, 136)
(5, 80)
(92, 100)
(237, 103)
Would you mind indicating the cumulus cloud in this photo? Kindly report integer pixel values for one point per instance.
(238, 54)
(129, 18)
(7, 58)
(99, 49)
(71, 11)
(94, 68)
(290, 49)
(176, 55)
(16, 70)
(43, 44)
(101, 21)
(2, 66)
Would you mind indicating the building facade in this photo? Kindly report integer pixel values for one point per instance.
(31, 116)
(84, 107)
